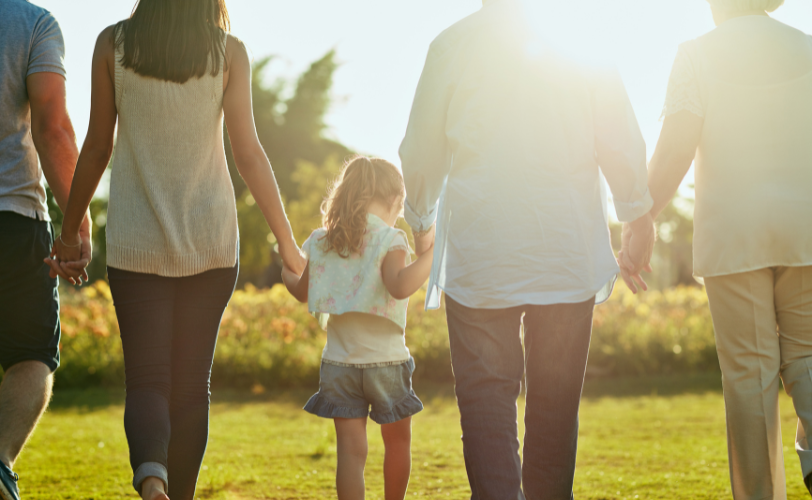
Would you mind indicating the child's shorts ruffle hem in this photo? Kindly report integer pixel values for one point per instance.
(405, 408)
(322, 407)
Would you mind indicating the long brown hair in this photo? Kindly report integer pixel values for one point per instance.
(345, 210)
(174, 40)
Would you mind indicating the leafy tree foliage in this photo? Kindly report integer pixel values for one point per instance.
(292, 129)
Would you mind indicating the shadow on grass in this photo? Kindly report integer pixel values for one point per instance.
(86, 399)
(612, 387)
(594, 388)
(661, 385)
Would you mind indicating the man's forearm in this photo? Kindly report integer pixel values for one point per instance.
(58, 155)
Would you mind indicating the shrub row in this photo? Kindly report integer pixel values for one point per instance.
(268, 340)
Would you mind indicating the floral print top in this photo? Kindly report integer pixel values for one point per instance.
(340, 285)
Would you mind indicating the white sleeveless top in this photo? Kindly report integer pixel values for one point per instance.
(751, 80)
(172, 210)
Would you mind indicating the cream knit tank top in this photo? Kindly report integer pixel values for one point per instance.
(172, 210)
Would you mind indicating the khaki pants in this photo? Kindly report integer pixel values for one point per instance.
(763, 324)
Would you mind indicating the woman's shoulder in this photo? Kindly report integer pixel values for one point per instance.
(105, 49)
(235, 47)
(107, 38)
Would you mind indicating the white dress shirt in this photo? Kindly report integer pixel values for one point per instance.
(511, 138)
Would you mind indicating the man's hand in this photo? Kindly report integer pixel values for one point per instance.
(424, 243)
(69, 260)
(65, 251)
(637, 248)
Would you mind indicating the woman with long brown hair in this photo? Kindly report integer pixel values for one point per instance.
(169, 75)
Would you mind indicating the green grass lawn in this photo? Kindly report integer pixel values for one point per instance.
(650, 439)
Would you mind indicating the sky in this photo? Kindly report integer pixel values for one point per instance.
(382, 45)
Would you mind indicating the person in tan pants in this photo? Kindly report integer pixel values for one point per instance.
(740, 103)
(763, 323)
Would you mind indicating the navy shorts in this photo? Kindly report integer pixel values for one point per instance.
(29, 300)
(349, 392)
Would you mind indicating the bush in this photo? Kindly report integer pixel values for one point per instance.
(91, 348)
(658, 332)
(268, 340)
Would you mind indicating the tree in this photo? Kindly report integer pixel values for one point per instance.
(292, 130)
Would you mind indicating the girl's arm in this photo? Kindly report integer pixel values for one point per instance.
(250, 158)
(296, 285)
(403, 280)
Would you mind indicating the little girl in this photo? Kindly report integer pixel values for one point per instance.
(358, 281)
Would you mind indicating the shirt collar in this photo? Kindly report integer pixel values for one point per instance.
(376, 221)
(492, 3)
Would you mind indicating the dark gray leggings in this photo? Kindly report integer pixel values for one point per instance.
(168, 332)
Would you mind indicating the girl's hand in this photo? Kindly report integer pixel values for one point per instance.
(425, 242)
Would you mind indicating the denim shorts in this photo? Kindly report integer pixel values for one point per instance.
(29, 300)
(348, 392)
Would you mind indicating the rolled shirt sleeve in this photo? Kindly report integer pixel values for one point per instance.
(47, 48)
(424, 153)
(620, 148)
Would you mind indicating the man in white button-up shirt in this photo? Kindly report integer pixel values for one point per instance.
(511, 138)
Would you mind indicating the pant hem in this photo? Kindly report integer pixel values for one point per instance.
(150, 469)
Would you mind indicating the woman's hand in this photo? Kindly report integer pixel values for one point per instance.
(292, 258)
(637, 248)
(296, 284)
(68, 259)
(289, 278)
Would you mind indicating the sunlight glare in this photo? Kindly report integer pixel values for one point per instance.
(586, 31)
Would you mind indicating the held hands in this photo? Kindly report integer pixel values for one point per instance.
(289, 278)
(292, 258)
(637, 248)
(70, 255)
(424, 242)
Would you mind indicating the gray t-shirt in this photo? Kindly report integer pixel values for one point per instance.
(30, 42)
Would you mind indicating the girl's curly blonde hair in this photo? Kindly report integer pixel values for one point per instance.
(344, 212)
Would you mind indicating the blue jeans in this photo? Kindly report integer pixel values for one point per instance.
(168, 334)
(488, 362)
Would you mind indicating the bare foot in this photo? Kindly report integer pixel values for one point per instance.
(153, 489)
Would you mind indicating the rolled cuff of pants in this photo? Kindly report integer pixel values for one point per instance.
(150, 469)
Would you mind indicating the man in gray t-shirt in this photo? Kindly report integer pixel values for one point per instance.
(33, 123)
